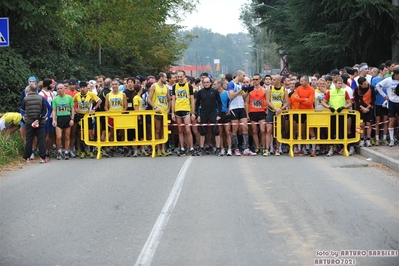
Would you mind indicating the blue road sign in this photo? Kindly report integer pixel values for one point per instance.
(4, 33)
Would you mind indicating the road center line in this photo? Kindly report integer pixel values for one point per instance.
(148, 251)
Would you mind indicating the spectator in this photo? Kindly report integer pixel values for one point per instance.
(35, 110)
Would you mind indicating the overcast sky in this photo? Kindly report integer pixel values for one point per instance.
(221, 16)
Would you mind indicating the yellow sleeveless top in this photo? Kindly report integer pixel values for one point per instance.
(115, 102)
(160, 97)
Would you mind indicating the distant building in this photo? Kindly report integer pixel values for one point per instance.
(193, 71)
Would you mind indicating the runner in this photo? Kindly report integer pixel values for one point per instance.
(159, 100)
(63, 119)
(238, 114)
(209, 107)
(183, 108)
(256, 108)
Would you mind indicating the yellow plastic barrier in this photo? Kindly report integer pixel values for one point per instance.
(123, 121)
(318, 120)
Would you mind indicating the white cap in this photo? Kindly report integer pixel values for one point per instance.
(92, 83)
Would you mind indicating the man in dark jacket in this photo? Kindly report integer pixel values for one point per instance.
(35, 109)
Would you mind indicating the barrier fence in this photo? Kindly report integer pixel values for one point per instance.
(125, 128)
(137, 128)
(329, 128)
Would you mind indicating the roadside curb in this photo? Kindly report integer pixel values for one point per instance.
(379, 158)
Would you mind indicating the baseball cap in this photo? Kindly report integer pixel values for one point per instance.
(82, 84)
(335, 72)
(92, 83)
(72, 81)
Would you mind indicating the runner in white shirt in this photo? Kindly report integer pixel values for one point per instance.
(392, 86)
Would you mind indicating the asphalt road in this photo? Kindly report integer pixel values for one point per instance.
(199, 211)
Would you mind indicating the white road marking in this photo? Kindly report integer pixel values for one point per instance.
(148, 251)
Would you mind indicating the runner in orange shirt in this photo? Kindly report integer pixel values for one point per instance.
(305, 96)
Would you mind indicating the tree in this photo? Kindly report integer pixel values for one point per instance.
(322, 35)
(67, 38)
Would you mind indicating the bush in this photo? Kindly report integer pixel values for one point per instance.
(12, 149)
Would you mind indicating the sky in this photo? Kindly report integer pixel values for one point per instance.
(220, 16)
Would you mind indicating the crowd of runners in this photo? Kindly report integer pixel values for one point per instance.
(225, 116)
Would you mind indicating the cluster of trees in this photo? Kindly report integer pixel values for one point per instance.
(84, 38)
(320, 35)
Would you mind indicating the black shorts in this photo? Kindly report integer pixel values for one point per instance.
(63, 121)
(380, 111)
(224, 118)
(182, 114)
(237, 114)
(257, 116)
(209, 119)
(393, 109)
(269, 117)
(367, 117)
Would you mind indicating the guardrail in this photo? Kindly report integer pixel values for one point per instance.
(334, 124)
(124, 121)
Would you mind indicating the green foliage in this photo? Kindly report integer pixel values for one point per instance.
(322, 35)
(12, 149)
(65, 38)
(14, 75)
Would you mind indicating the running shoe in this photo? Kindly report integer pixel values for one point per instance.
(313, 154)
(298, 153)
(59, 156)
(277, 153)
(221, 152)
(144, 153)
(229, 153)
(237, 152)
(72, 154)
(134, 154)
(351, 150)
(330, 153)
(368, 143)
(391, 143)
(164, 153)
(111, 153)
(377, 142)
(82, 155)
(169, 151)
(266, 153)
(191, 152)
(44, 160)
(32, 156)
(104, 152)
(201, 152)
(182, 153)
(361, 143)
(159, 153)
(66, 156)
